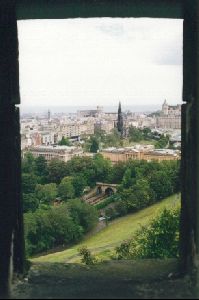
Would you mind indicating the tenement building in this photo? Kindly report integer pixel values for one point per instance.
(170, 117)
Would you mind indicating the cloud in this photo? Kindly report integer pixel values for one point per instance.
(86, 61)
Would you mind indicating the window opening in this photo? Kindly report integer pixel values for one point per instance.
(103, 61)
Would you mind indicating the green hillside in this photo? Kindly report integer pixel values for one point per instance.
(104, 242)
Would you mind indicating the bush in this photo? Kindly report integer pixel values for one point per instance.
(123, 251)
(87, 257)
(159, 239)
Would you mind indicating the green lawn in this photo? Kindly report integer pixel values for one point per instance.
(103, 243)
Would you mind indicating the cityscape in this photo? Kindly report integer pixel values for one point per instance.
(42, 134)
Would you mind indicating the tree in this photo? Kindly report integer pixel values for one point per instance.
(146, 133)
(163, 142)
(102, 168)
(30, 203)
(83, 214)
(64, 229)
(46, 229)
(29, 182)
(79, 165)
(56, 171)
(113, 139)
(120, 122)
(46, 193)
(83, 166)
(135, 134)
(94, 145)
(117, 172)
(66, 190)
(127, 179)
(161, 184)
(137, 196)
(41, 166)
(28, 163)
(79, 183)
(64, 142)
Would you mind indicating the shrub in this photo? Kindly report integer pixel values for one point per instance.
(123, 251)
(87, 257)
(159, 239)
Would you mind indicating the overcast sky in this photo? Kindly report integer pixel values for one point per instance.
(100, 61)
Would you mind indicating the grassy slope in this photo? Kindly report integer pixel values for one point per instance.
(104, 242)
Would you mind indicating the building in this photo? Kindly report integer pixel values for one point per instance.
(116, 155)
(146, 152)
(105, 125)
(171, 110)
(69, 130)
(90, 112)
(47, 138)
(170, 117)
(63, 153)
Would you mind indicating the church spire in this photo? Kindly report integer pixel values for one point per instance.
(120, 123)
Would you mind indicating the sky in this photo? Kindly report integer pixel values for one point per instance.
(100, 61)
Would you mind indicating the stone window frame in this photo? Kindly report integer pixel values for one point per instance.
(11, 220)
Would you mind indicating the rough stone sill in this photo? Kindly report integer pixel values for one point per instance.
(145, 279)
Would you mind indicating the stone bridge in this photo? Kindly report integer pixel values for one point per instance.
(106, 188)
(100, 192)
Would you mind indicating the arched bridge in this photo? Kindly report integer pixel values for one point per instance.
(100, 192)
(106, 188)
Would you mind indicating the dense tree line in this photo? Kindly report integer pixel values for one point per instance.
(140, 184)
(42, 182)
(47, 226)
(55, 226)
